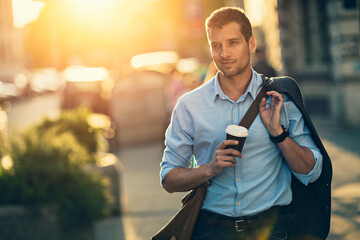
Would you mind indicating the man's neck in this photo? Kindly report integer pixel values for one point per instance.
(234, 87)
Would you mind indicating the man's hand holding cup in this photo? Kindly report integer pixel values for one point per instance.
(236, 132)
(229, 149)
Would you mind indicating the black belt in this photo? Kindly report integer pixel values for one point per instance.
(269, 217)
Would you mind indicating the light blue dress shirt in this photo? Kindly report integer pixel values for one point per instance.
(261, 178)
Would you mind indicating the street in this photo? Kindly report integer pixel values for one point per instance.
(31, 110)
(149, 207)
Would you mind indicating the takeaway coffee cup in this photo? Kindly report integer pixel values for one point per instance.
(238, 133)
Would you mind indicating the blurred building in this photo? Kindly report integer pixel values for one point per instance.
(317, 43)
(11, 47)
(320, 48)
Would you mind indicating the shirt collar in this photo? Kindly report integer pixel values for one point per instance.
(218, 91)
(253, 88)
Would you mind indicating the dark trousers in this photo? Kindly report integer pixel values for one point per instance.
(270, 225)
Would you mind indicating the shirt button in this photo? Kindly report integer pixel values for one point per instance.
(237, 204)
(238, 180)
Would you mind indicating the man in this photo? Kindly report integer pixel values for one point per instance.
(262, 66)
(249, 186)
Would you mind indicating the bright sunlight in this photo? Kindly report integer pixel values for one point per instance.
(25, 11)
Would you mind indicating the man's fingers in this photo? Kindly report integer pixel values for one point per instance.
(225, 143)
(222, 153)
(276, 100)
(227, 158)
(275, 95)
(228, 164)
(270, 93)
(224, 157)
(262, 106)
(232, 152)
(226, 161)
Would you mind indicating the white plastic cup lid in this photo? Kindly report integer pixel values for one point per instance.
(237, 131)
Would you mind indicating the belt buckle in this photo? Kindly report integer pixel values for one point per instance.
(237, 227)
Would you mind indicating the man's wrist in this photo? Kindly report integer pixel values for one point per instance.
(276, 132)
(209, 171)
(280, 137)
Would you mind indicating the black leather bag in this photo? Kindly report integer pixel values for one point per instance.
(182, 224)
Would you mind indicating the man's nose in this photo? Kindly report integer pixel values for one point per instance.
(225, 52)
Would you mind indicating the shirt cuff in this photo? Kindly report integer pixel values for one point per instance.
(164, 171)
(170, 161)
(315, 172)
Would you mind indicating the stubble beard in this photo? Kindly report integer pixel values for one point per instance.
(237, 71)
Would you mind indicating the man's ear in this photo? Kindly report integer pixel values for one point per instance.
(252, 44)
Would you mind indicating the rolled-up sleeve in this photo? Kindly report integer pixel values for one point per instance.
(300, 133)
(178, 141)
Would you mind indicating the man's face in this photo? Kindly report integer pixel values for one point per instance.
(229, 49)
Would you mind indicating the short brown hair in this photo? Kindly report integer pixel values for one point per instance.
(226, 15)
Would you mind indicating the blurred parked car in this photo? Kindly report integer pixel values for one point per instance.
(22, 82)
(8, 91)
(89, 87)
(25, 82)
(45, 80)
(13, 86)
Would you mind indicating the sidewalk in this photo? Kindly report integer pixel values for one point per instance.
(343, 147)
(149, 207)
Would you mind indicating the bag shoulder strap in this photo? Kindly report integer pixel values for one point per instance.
(253, 110)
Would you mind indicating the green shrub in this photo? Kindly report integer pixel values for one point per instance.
(75, 122)
(47, 171)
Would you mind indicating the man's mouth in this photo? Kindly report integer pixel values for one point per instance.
(227, 63)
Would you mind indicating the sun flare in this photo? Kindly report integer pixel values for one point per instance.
(25, 11)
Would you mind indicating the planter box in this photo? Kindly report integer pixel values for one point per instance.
(110, 167)
(16, 223)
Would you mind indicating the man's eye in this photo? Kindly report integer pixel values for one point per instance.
(233, 43)
(216, 46)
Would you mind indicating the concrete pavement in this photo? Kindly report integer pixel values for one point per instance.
(343, 146)
(149, 207)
